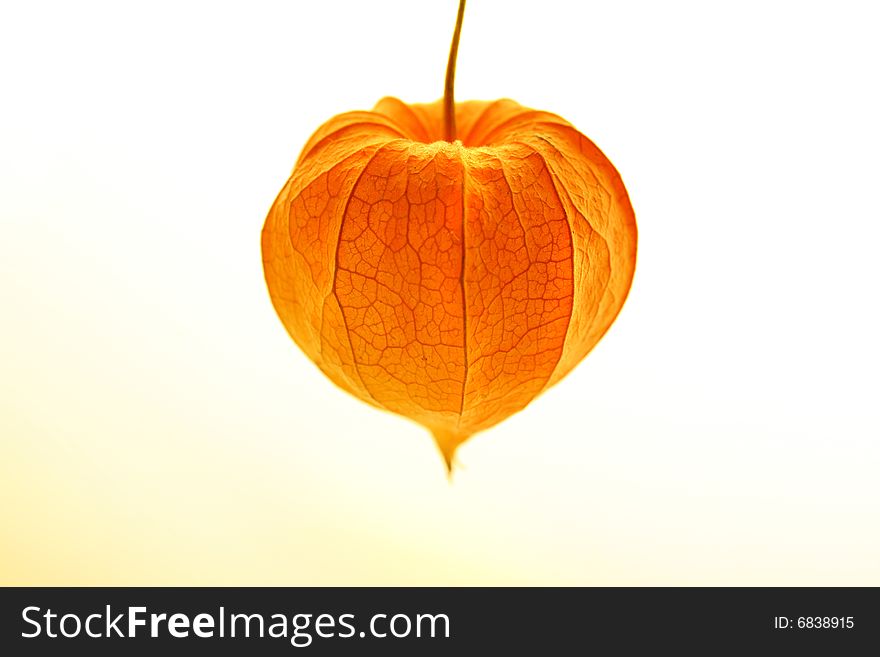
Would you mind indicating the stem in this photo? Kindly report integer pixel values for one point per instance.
(449, 91)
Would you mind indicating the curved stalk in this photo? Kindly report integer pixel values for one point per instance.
(449, 91)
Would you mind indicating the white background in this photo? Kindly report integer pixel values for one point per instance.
(157, 425)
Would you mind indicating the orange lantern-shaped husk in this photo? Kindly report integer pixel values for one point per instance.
(449, 282)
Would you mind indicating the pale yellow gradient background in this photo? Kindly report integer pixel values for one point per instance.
(158, 426)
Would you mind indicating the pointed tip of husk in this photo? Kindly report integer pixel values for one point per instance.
(448, 442)
(447, 460)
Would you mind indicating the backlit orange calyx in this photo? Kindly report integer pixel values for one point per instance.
(449, 282)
